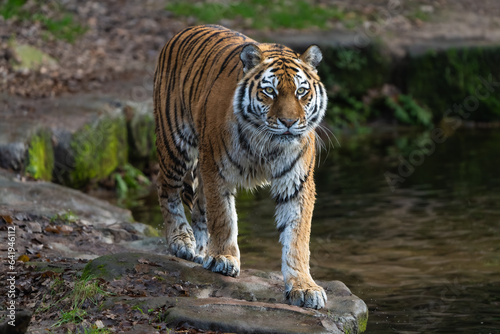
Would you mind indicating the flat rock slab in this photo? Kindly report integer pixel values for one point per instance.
(251, 303)
(49, 199)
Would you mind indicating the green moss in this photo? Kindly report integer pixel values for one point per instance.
(40, 157)
(111, 266)
(362, 323)
(150, 231)
(98, 150)
(44, 266)
(142, 138)
(457, 77)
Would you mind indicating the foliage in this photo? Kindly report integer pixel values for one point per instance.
(261, 14)
(456, 77)
(346, 111)
(129, 178)
(61, 27)
(67, 217)
(354, 71)
(87, 289)
(408, 111)
(40, 157)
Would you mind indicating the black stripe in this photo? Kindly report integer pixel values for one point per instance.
(219, 169)
(285, 199)
(243, 140)
(292, 165)
(230, 158)
(282, 227)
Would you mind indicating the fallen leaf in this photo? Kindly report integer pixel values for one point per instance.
(7, 219)
(52, 229)
(141, 268)
(65, 229)
(50, 274)
(23, 258)
(99, 324)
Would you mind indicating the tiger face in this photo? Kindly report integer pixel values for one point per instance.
(282, 97)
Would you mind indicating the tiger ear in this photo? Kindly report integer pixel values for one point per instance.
(250, 56)
(312, 56)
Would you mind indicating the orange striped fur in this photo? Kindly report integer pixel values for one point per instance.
(230, 113)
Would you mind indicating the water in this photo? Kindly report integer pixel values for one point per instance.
(424, 255)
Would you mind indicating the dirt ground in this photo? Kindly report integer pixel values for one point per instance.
(123, 37)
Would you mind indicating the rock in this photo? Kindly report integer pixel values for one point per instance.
(21, 323)
(34, 227)
(28, 58)
(252, 303)
(49, 199)
(141, 131)
(76, 139)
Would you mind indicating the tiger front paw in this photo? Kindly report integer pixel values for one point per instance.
(183, 246)
(307, 295)
(225, 264)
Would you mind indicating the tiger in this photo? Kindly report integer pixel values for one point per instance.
(233, 113)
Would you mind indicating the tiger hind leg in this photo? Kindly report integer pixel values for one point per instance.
(199, 219)
(179, 235)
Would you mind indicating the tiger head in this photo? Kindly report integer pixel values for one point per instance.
(280, 94)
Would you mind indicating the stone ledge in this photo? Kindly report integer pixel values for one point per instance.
(252, 303)
(74, 139)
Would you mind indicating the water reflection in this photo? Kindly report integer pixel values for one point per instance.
(425, 257)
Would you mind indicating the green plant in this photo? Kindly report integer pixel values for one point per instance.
(260, 14)
(62, 26)
(75, 315)
(127, 178)
(67, 217)
(408, 111)
(40, 157)
(11, 8)
(87, 289)
(138, 308)
(351, 59)
(457, 78)
(65, 28)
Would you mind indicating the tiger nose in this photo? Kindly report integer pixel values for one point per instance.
(288, 122)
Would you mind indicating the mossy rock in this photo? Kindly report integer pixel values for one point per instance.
(99, 149)
(93, 151)
(29, 58)
(40, 161)
(141, 132)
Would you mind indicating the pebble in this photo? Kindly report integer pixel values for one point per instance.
(35, 227)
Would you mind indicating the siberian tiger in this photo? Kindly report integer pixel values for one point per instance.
(230, 113)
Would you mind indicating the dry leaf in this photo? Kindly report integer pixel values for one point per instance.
(23, 258)
(52, 229)
(7, 219)
(65, 229)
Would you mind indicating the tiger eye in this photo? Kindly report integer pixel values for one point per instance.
(269, 90)
(301, 91)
